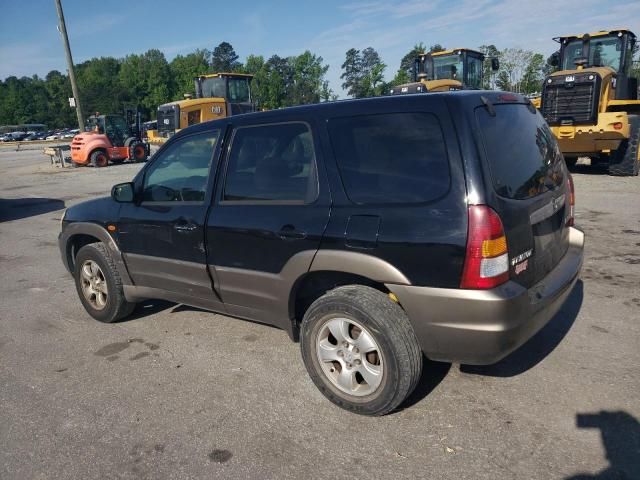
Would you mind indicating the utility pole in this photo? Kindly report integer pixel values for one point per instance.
(72, 76)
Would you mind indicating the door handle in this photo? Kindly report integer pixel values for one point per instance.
(185, 227)
(289, 232)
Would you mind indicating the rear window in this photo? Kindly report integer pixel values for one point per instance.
(391, 158)
(522, 153)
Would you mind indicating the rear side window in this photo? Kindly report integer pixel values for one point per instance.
(391, 158)
(522, 153)
(272, 163)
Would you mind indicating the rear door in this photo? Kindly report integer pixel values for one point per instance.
(271, 208)
(530, 192)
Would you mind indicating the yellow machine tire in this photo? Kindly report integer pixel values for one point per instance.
(625, 161)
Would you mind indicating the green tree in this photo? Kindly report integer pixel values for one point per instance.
(490, 52)
(59, 112)
(147, 80)
(225, 59)
(533, 75)
(363, 73)
(307, 81)
(184, 68)
(98, 82)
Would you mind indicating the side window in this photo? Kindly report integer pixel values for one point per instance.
(391, 158)
(272, 163)
(180, 173)
(193, 117)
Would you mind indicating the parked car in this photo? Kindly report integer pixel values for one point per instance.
(53, 136)
(6, 137)
(18, 136)
(374, 231)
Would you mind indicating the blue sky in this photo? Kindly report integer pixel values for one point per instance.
(30, 43)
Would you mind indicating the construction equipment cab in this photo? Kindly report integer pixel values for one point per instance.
(447, 70)
(217, 95)
(109, 138)
(592, 103)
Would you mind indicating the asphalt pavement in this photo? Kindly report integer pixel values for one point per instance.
(177, 392)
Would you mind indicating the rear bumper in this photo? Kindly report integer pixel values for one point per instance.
(480, 327)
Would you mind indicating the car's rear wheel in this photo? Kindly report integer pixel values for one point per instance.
(360, 350)
(99, 284)
(99, 159)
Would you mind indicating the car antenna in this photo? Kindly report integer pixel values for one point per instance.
(489, 105)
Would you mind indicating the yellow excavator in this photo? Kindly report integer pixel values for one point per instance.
(591, 103)
(457, 69)
(217, 95)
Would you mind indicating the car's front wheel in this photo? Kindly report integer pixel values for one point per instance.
(360, 350)
(99, 284)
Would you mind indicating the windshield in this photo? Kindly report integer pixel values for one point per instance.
(239, 90)
(474, 72)
(116, 129)
(213, 87)
(447, 66)
(603, 52)
(216, 87)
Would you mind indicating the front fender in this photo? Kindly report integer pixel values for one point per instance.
(66, 239)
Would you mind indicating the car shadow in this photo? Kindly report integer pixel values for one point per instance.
(146, 308)
(18, 208)
(540, 345)
(432, 374)
(620, 433)
(600, 168)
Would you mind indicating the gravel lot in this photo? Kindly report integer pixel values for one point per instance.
(178, 392)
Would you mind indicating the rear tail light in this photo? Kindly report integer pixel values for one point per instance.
(486, 263)
(572, 201)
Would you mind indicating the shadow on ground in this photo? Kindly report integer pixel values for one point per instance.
(146, 308)
(620, 433)
(540, 345)
(599, 168)
(17, 208)
(432, 374)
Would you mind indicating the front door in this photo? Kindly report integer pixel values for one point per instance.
(162, 235)
(270, 212)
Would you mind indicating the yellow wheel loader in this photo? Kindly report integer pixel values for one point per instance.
(456, 69)
(217, 95)
(592, 103)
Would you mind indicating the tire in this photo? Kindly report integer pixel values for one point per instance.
(99, 158)
(94, 260)
(393, 360)
(138, 152)
(625, 161)
(571, 162)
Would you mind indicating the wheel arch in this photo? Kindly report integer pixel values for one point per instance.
(77, 235)
(335, 268)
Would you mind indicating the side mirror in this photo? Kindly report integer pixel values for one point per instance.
(123, 192)
(495, 64)
(555, 59)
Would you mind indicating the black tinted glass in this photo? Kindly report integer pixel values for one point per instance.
(523, 155)
(391, 158)
(272, 162)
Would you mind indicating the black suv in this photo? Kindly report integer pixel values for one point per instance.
(373, 231)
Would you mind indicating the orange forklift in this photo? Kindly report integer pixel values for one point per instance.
(110, 139)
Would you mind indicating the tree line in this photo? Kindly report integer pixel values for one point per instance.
(147, 80)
